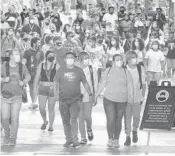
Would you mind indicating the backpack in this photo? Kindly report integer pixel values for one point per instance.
(92, 78)
(139, 69)
(3, 40)
(20, 70)
(24, 93)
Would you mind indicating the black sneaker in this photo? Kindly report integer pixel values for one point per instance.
(68, 144)
(134, 137)
(128, 141)
(90, 135)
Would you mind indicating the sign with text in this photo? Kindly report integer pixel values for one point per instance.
(159, 109)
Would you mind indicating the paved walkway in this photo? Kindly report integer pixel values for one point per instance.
(33, 141)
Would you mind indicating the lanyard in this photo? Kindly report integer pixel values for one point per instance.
(48, 71)
(31, 26)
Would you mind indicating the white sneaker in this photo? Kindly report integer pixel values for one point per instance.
(110, 143)
(116, 143)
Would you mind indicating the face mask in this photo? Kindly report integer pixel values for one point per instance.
(51, 58)
(52, 31)
(17, 58)
(31, 21)
(70, 62)
(25, 39)
(119, 63)
(155, 47)
(111, 12)
(55, 20)
(47, 23)
(113, 42)
(86, 62)
(103, 13)
(122, 11)
(100, 41)
(77, 27)
(134, 61)
(10, 33)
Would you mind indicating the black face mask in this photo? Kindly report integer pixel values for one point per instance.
(52, 31)
(25, 39)
(100, 41)
(51, 58)
(24, 9)
(122, 11)
(47, 23)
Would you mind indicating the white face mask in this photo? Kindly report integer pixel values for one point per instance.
(134, 61)
(31, 21)
(119, 63)
(113, 43)
(70, 62)
(155, 47)
(86, 62)
(17, 58)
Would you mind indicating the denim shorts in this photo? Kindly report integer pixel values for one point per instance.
(46, 91)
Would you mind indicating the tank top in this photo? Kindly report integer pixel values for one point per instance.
(44, 77)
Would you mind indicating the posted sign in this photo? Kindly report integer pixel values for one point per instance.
(159, 109)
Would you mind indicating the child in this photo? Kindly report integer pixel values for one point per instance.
(133, 110)
(86, 106)
(154, 61)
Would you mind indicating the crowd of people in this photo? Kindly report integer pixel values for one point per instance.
(118, 52)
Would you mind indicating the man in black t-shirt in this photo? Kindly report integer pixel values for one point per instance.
(67, 88)
(32, 58)
(170, 57)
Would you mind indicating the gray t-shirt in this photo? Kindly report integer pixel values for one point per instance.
(13, 84)
(69, 83)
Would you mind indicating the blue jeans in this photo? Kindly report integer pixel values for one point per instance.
(10, 109)
(70, 113)
(114, 114)
(85, 116)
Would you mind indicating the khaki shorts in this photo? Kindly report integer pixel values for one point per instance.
(170, 63)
